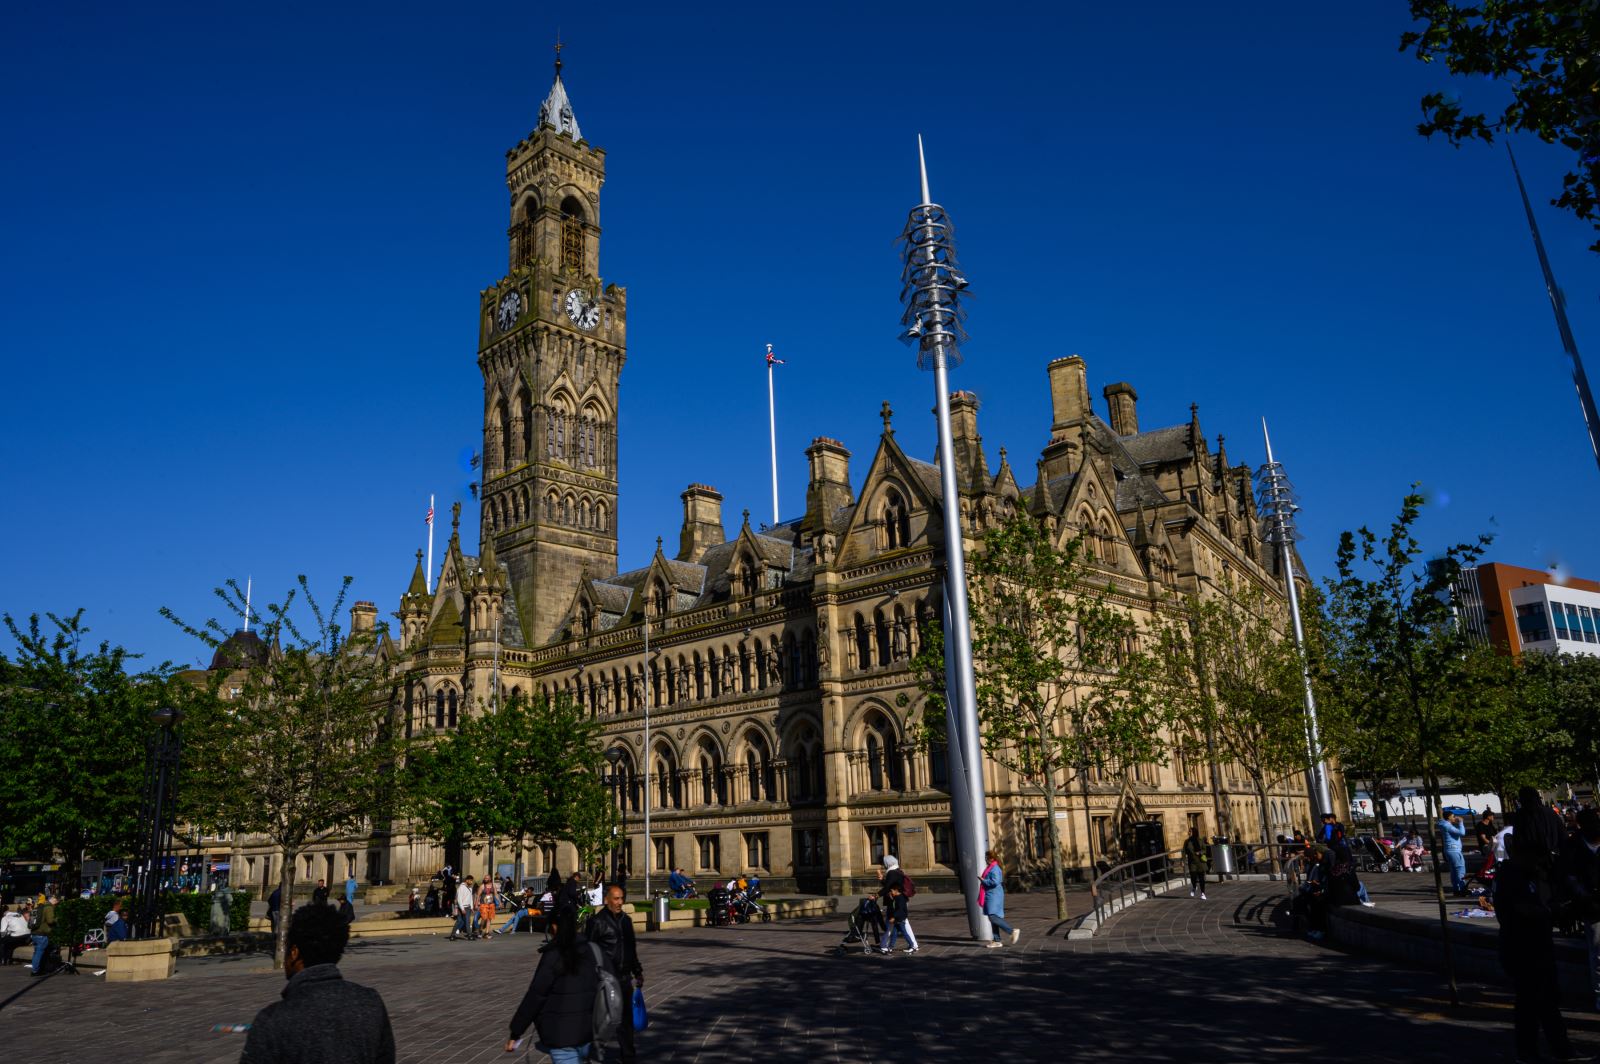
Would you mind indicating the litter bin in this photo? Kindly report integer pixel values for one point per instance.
(658, 910)
(1221, 856)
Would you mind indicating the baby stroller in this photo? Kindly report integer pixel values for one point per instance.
(719, 906)
(865, 927)
(1377, 858)
(745, 905)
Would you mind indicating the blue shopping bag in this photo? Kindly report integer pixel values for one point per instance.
(641, 1016)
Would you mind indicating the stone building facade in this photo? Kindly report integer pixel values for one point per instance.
(777, 676)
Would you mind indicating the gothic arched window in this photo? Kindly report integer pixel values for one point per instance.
(450, 706)
(572, 234)
(438, 708)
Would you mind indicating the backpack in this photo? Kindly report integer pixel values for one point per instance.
(907, 888)
(608, 1003)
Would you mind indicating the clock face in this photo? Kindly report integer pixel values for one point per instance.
(510, 309)
(584, 312)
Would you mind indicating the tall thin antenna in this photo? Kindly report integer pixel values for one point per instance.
(1558, 303)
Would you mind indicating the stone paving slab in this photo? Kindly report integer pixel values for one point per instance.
(1171, 979)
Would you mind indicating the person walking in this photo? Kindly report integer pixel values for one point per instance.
(992, 896)
(320, 894)
(1527, 951)
(486, 908)
(462, 907)
(44, 921)
(559, 1001)
(893, 878)
(322, 1017)
(1450, 827)
(350, 888)
(275, 908)
(1198, 861)
(612, 930)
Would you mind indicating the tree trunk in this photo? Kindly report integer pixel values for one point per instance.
(1261, 803)
(1088, 822)
(1431, 789)
(280, 947)
(1049, 789)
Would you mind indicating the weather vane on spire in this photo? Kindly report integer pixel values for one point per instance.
(559, 46)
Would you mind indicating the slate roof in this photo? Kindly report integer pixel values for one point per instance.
(1170, 444)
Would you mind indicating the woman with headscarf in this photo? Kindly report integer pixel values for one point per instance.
(894, 879)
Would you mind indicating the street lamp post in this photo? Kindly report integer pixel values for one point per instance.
(931, 284)
(155, 821)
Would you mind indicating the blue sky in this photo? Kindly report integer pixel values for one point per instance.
(243, 248)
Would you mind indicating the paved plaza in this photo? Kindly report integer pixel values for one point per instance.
(1168, 980)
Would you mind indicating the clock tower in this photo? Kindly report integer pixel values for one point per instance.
(552, 342)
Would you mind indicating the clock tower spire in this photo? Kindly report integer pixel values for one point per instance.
(552, 342)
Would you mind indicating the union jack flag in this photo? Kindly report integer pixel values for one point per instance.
(430, 516)
(773, 360)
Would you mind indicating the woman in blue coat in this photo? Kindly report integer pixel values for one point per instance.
(994, 899)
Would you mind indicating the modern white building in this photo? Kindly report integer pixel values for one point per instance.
(1557, 619)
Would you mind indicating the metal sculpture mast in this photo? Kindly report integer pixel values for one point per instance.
(1558, 303)
(1278, 507)
(931, 284)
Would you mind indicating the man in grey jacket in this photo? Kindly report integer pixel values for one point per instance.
(322, 1019)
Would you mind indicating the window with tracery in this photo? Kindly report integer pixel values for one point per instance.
(572, 243)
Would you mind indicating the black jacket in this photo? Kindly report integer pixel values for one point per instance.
(322, 1019)
(1580, 880)
(894, 878)
(614, 935)
(560, 1003)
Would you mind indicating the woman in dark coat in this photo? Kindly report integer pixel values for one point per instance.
(560, 1000)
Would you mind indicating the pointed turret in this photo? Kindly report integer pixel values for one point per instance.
(419, 580)
(556, 111)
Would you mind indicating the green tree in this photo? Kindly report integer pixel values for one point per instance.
(531, 771)
(1395, 657)
(1504, 733)
(74, 724)
(303, 743)
(1547, 52)
(1572, 686)
(1232, 674)
(1047, 653)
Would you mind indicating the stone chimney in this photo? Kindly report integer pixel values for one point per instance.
(829, 483)
(1122, 403)
(363, 617)
(1069, 391)
(702, 521)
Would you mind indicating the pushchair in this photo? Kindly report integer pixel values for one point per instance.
(719, 906)
(865, 926)
(1375, 857)
(745, 904)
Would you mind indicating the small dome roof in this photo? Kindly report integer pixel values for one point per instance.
(239, 651)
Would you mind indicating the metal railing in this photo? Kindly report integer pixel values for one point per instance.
(1122, 885)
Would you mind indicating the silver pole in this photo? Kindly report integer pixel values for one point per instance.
(1279, 507)
(931, 284)
(772, 435)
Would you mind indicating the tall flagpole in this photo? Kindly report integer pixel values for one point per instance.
(246, 603)
(772, 431)
(931, 284)
(427, 574)
(1558, 303)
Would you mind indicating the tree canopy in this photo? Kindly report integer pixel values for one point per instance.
(74, 724)
(1547, 52)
